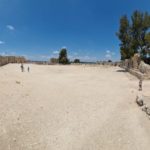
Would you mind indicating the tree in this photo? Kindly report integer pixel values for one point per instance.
(147, 41)
(76, 60)
(124, 37)
(134, 36)
(54, 60)
(139, 28)
(63, 56)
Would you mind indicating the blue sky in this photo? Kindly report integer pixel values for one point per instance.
(38, 29)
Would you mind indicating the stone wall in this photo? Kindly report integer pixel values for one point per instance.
(144, 68)
(144, 103)
(137, 67)
(136, 61)
(11, 59)
(132, 63)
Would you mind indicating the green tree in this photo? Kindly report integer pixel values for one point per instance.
(124, 37)
(54, 60)
(147, 41)
(134, 36)
(139, 28)
(76, 60)
(63, 56)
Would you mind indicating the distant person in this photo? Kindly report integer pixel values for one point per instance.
(28, 69)
(140, 85)
(22, 68)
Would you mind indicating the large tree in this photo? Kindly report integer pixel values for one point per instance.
(54, 60)
(76, 60)
(134, 35)
(63, 59)
(147, 41)
(139, 30)
(124, 37)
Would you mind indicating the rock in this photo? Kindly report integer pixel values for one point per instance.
(144, 108)
(144, 68)
(18, 82)
(144, 103)
(148, 111)
(136, 61)
(139, 100)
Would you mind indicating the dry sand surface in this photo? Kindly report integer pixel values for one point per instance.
(71, 108)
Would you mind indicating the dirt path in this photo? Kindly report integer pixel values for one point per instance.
(70, 108)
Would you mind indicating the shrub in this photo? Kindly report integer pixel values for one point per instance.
(63, 57)
(77, 61)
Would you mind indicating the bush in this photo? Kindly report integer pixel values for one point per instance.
(77, 61)
(63, 57)
(54, 60)
(109, 61)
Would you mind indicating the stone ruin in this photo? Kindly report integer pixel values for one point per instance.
(136, 67)
(132, 63)
(136, 59)
(11, 59)
(144, 68)
(144, 103)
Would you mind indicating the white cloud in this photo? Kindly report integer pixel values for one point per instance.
(85, 58)
(75, 54)
(24, 55)
(37, 57)
(109, 54)
(10, 27)
(44, 57)
(108, 51)
(3, 54)
(2, 42)
(8, 53)
(55, 52)
(64, 47)
(88, 58)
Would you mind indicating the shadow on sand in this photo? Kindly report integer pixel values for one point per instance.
(121, 70)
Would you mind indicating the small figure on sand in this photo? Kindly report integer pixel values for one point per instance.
(22, 68)
(28, 69)
(140, 85)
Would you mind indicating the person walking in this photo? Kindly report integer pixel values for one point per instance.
(28, 69)
(22, 68)
(140, 85)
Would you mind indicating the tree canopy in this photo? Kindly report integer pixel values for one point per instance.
(63, 59)
(54, 60)
(76, 60)
(134, 35)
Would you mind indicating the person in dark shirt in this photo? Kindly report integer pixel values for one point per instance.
(22, 68)
(28, 69)
(140, 85)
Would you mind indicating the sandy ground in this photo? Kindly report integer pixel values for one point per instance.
(71, 108)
